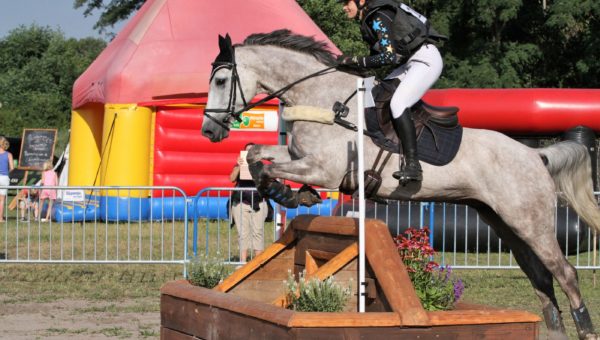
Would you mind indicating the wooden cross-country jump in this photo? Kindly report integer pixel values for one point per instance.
(250, 304)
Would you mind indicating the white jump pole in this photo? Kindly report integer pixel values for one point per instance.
(360, 88)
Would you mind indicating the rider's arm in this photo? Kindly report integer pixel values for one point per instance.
(380, 24)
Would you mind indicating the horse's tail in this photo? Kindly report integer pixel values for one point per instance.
(570, 166)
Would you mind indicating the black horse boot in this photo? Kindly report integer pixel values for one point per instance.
(405, 128)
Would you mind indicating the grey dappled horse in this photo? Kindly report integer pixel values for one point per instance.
(512, 186)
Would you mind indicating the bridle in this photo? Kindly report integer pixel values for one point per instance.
(236, 84)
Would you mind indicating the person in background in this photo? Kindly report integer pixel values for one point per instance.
(249, 211)
(49, 178)
(6, 166)
(28, 200)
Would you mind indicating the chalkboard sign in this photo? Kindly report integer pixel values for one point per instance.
(37, 147)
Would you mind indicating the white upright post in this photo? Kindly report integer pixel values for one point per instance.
(360, 87)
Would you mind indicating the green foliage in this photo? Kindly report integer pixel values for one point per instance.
(207, 271)
(111, 11)
(497, 43)
(314, 295)
(434, 286)
(493, 43)
(38, 67)
(344, 33)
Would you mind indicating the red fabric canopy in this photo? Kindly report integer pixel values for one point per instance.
(166, 50)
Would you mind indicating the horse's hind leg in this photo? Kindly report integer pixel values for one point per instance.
(541, 280)
(538, 275)
(533, 224)
(548, 251)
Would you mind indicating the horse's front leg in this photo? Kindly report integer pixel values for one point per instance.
(273, 153)
(305, 170)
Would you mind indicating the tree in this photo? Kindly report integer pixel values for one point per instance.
(38, 67)
(493, 43)
(344, 33)
(112, 11)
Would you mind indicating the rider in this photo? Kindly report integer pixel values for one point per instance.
(399, 36)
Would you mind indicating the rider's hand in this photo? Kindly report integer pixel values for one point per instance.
(344, 60)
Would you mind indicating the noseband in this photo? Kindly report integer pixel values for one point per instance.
(236, 83)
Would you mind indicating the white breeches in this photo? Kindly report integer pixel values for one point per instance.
(417, 76)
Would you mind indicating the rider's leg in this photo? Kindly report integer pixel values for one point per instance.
(405, 129)
(416, 77)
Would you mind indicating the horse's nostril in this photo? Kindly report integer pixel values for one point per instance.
(209, 134)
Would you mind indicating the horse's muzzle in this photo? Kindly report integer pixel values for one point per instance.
(215, 135)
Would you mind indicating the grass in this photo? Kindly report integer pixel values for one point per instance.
(161, 241)
(511, 289)
(107, 283)
(114, 283)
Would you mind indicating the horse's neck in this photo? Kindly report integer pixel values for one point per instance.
(277, 68)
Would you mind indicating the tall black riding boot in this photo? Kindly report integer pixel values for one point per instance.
(405, 128)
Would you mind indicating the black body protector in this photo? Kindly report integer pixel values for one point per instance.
(409, 28)
(406, 31)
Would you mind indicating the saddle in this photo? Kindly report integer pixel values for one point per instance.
(438, 130)
(438, 136)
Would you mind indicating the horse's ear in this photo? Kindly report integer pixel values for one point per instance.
(222, 42)
(225, 49)
(229, 43)
(225, 53)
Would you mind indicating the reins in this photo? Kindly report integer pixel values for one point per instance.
(284, 89)
(235, 83)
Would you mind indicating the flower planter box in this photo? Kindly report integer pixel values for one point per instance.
(248, 304)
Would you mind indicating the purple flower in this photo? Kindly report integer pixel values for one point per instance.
(448, 273)
(459, 288)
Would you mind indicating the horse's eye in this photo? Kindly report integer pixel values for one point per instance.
(220, 81)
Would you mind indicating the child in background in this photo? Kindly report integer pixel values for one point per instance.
(28, 200)
(49, 178)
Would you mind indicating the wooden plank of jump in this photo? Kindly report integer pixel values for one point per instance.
(326, 225)
(480, 316)
(320, 254)
(392, 275)
(259, 260)
(326, 270)
(310, 264)
(179, 291)
(347, 319)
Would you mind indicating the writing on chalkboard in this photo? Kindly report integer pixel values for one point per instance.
(37, 147)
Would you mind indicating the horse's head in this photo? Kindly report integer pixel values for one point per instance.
(227, 95)
(279, 68)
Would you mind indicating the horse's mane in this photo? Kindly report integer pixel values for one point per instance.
(286, 39)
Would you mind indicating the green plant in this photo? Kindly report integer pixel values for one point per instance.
(434, 285)
(207, 271)
(314, 295)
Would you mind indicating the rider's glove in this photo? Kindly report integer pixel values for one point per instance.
(345, 60)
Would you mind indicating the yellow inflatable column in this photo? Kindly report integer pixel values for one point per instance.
(126, 140)
(85, 144)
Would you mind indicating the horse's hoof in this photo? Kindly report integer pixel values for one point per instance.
(555, 335)
(307, 196)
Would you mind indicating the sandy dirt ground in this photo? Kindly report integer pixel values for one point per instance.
(77, 319)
